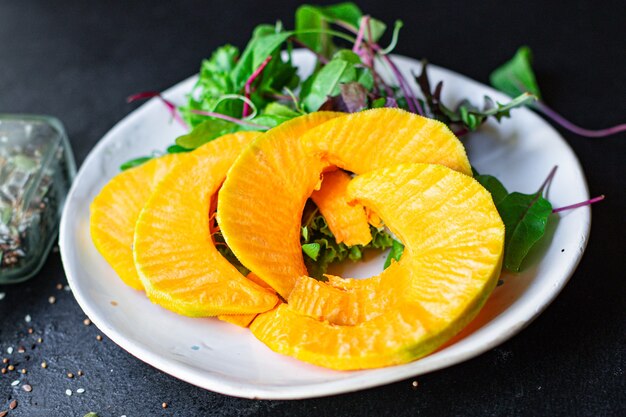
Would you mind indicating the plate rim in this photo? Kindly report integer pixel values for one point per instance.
(214, 383)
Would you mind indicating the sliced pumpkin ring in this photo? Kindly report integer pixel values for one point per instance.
(244, 320)
(378, 138)
(454, 241)
(262, 199)
(349, 223)
(114, 212)
(345, 301)
(266, 191)
(174, 252)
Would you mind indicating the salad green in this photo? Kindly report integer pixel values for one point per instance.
(259, 88)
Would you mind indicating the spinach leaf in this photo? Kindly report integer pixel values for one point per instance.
(265, 42)
(525, 217)
(516, 76)
(317, 18)
(494, 186)
(205, 132)
(326, 82)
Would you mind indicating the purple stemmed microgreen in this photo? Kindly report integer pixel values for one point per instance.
(413, 104)
(581, 204)
(359, 36)
(563, 122)
(170, 106)
(248, 84)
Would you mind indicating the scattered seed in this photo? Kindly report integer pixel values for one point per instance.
(86, 322)
(3, 413)
(21, 349)
(30, 330)
(80, 373)
(10, 350)
(2, 295)
(27, 319)
(15, 383)
(27, 388)
(70, 375)
(5, 360)
(164, 405)
(11, 368)
(23, 371)
(44, 364)
(114, 303)
(68, 392)
(414, 384)
(3, 371)
(59, 286)
(80, 390)
(13, 405)
(67, 288)
(99, 338)
(39, 340)
(52, 299)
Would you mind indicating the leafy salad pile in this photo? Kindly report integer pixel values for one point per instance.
(259, 88)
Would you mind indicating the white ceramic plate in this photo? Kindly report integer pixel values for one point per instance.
(227, 359)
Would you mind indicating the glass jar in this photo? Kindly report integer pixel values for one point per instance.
(36, 170)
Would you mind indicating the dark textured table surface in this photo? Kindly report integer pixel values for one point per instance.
(79, 60)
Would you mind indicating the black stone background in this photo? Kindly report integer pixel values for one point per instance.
(79, 60)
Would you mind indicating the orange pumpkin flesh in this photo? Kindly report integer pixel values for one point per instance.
(266, 189)
(349, 223)
(262, 199)
(453, 240)
(244, 320)
(114, 212)
(174, 253)
(378, 138)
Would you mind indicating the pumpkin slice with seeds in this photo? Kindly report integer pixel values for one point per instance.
(262, 199)
(349, 223)
(174, 252)
(454, 240)
(114, 212)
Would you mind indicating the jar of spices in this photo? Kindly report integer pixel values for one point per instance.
(36, 170)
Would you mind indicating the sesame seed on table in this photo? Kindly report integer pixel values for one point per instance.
(79, 62)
